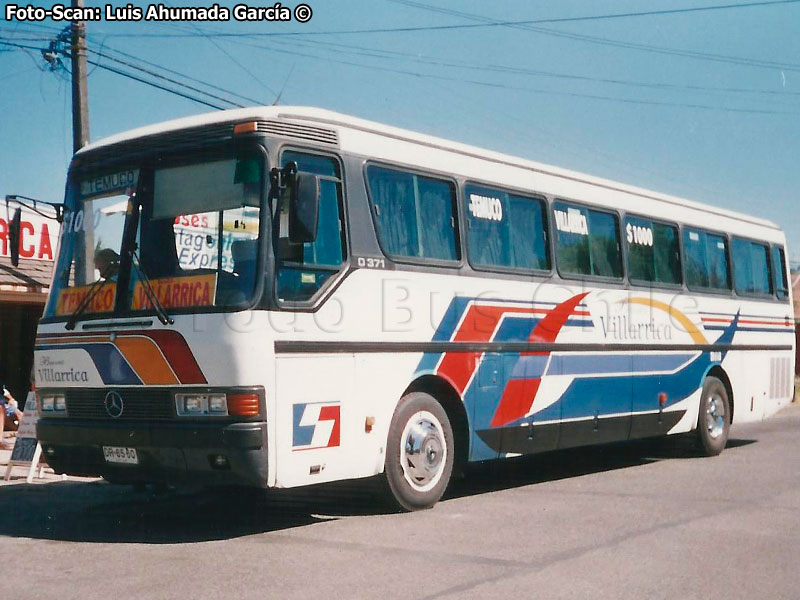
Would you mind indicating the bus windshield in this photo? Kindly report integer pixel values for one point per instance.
(192, 236)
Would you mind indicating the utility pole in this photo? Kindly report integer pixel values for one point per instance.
(80, 93)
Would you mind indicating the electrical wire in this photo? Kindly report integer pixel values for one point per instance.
(152, 84)
(163, 77)
(738, 60)
(434, 61)
(517, 88)
(232, 58)
(185, 76)
(468, 25)
(129, 76)
(106, 56)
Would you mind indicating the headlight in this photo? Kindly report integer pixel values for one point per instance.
(217, 404)
(48, 403)
(54, 403)
(191, 405)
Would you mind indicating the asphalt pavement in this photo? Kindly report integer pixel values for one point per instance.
(639, 520)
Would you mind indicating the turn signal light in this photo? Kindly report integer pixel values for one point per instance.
(243, 405)
(250, 127)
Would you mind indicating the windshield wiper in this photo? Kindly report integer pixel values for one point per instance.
(87, 299)
(161, 312)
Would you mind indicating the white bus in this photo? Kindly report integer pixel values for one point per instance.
(281, 296)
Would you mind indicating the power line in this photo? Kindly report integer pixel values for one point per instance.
(238, 63)
(738, 60)
(410, 73)
(157, 75)
(26, 30)
(386, 54)
(469, 25)
(185, 76)
(164, 77)
(518, 88)
(128, 75)
(149, 72)
(20, 46)
(232, 58)
(153, 84)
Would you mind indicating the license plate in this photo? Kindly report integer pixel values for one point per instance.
(120, 455)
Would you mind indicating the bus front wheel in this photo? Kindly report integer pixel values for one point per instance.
(713, 420)
(419, 452)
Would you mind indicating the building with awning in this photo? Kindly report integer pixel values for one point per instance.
(23, 293)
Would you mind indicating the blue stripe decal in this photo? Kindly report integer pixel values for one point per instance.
(301, 435)
(596, 364)
(530, 366)
(450, 319)
(588, 396)
(112, 366)
(515, 329)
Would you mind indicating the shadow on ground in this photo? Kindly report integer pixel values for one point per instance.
(100, 512)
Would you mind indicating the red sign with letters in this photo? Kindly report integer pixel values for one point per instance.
(37, 240)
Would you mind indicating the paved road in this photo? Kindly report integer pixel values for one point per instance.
(637, 521)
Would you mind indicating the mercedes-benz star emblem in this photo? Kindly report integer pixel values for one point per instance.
(114, 405)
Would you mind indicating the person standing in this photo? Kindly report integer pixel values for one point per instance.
(11, 413)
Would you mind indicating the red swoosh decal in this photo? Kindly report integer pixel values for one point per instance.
(519, 394)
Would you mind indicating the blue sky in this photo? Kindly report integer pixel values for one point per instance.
(704, 105)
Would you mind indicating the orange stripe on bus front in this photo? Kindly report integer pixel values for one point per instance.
(146, 359)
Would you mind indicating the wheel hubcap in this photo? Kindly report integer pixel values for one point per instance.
(423, 451)
(715, 416)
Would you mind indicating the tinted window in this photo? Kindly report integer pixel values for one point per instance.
(779, 272)
(587, 241)
(415, 215)
(304, 268)
(750, 268)
(312, 163)
(706, 257)
(653, 254)
(505, 230)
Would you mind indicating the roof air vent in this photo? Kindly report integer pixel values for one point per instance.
(298, 131)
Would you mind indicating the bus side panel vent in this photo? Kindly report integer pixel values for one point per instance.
(780, 381)
(308, 133)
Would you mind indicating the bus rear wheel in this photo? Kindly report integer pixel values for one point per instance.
(713, 419)
(419, 452)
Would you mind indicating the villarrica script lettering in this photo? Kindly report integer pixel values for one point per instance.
(50, 375)
(622, 328)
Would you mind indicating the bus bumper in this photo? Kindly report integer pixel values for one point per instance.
(172, 453)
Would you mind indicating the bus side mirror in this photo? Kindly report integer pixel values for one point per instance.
(303, 208)
(13, 236)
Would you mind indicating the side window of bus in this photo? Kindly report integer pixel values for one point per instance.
(587, 241)
(304, 268)
(653, 252)
(779, 272)
(751, 268)
(415, 215)
(505, 230)
(706, 257)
